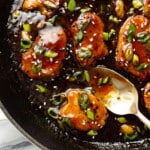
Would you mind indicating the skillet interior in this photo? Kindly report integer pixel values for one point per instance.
(31, 123)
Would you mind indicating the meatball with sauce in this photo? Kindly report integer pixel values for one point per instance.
(133, 50)
(88, 39)
(44, 59)
(147, 96)
(46, 7)
(84, 110)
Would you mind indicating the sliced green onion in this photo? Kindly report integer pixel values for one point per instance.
(122, 120)
(143, 37)
(87, 75)
(131, 32)
(83, 25)
(53, 113)
(58, 99)
(68, 122)
(78, 76)
(71, 5)
(112, 33)
(106, 36)
(138, 129)
(83, 101)
(27, 27)
(79, 37)
(36, 68)
(92, 133)
(85, 53)
(142, 66)
(41, 88)
(103, 81)
(90, 115)
(90, 89)
(25, 43)
(53, 20)
(85, 10)
(137, 4)
(135, 60)
(113, 19)
(129, 53)
(130, 137)
(50, 54)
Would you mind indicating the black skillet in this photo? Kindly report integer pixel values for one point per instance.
(15, 105)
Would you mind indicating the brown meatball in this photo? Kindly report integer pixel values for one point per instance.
(78, 117)
(87, 33)
(45, 58)
(147, 8)
(147, 96)
(133, 50)
(46, 7)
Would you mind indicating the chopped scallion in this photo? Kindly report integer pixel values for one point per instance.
(85, 10)
(87, 75)
(36, 68)
(71, 5)
(122, 120)
(90, 115)
(92, 133)
(27, 27)
(142, 66)
(25, 43)
(52, 112)
(85, 53)
(58, 99)
(50, 54)
(79, 37)
(83, 101)
(41, 88)
(131, 32)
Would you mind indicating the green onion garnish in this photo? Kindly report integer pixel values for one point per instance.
(79, 37)
(130, 137)
(85, 53)
(142, 66)
(36, 68)
(90, 115)
(25, 43)
(27, 27)
(71, 5)
(92, 133)
(68, 122)
(58, 99)
(50, 54)
(122, 120)
(131, 32)
(106, 36)
(78, 76)
(83, 101)
(87, 75)
(52, 112)
(143, 37)
(103, 81)
(41, 88)
(85, 10)
(53, 20)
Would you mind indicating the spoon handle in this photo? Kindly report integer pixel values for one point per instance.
(145, 120)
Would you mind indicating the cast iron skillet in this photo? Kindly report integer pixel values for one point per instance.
(30, 123)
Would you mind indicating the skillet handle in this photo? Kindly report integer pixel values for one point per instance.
(145, 120)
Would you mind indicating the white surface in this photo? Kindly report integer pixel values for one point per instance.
(11, 138)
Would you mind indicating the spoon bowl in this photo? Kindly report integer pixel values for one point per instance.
(122, 99)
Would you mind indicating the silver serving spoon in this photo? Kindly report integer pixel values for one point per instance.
(123, 98)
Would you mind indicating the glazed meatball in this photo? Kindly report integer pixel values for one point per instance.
(84, 110)
(44, 59)
(133, 50)
(147, 8)
(88, 39)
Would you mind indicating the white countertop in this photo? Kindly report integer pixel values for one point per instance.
(11, 138)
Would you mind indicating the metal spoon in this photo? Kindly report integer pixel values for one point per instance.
(123, 98)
